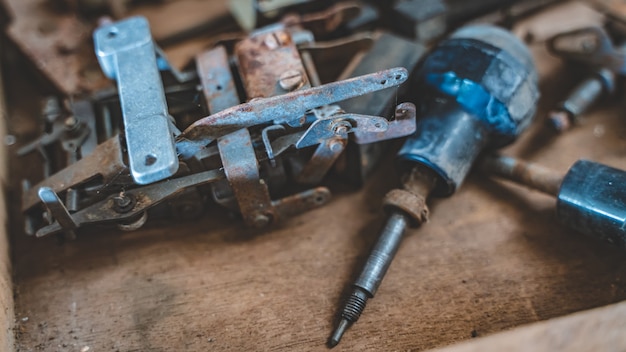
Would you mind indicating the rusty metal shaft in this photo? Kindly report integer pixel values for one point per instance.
(421, 180)
(528, 174)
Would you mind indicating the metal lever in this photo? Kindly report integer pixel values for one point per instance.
(108, 210)
(282, 108)
(126, 53)
(57, 209)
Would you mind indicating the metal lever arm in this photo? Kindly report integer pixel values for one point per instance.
(147, 197)
(126, 53)
(282, 108)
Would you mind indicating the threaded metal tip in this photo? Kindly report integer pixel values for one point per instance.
(354, 307)
(355, 304)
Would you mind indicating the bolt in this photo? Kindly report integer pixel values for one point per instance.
(260, 221)
(290, 80)
(340, 130)
(51, 109)
(123, 203)
(70, 123)
(336, 146)
(271, 42)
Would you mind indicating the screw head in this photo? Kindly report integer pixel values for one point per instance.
(70, 122)
(123, 203)
(340, 130)
(290, 80)
(260, 221)
(336, 146)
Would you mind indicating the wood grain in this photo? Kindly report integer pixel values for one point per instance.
(593, 330)
(7, 314)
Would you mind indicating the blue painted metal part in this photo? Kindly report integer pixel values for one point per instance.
(477, 90)
(475, 99)
(126, 53)
(592, 200)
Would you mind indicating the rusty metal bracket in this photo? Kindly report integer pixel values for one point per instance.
(251, 192)
(402, 125)
(242, 170)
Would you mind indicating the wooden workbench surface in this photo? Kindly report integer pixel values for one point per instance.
(491, 258)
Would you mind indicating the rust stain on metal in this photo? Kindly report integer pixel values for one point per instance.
(242, 170)
(528, 174)
(403, 124)
(417, 184)
(218, 85)
(263, 58)
(301, 202)
(105, 161)
(291, 105)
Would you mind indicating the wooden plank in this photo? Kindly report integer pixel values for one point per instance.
(594, 330)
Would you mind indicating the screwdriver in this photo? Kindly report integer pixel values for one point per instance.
(478, 90)
(592, 47)
(591, 197)
(592, 89)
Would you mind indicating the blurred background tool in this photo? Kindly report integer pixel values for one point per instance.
(593, 48)
(591, 197)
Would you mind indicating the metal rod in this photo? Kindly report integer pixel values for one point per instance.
(531, 175)
(372, 274)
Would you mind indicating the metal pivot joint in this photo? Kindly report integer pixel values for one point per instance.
(478, 90)
(127, 53)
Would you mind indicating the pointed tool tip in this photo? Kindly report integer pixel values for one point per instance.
(338, 333)
(332, 343)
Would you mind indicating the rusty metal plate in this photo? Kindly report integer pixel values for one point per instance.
(270, 64)
(242, 171)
